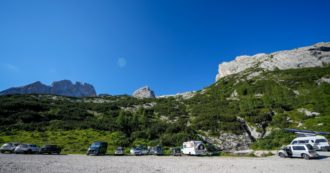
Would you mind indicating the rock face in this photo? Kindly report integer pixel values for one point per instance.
(317, 55)
(67, 88)
(64, 88)
(36, 87)
(229, 141)
(144, 92)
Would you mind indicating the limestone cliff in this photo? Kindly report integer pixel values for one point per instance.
(316, 55)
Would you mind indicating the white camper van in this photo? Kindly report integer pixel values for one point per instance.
(318, 142)
(193, 148)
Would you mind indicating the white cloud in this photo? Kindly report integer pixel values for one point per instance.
(121, 62)
(10, 67)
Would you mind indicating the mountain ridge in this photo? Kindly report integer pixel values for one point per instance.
(316, 55)
(62, 87)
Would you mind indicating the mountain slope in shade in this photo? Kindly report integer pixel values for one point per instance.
(63, 87)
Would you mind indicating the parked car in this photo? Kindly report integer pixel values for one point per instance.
(305, 151)
(97, 148)
(136, 151)
(193, 148)
(50, 149)
(318, 142)
(140, 150)
(157, 150)
(26, 149)
(8, 147)
(119, 151)
(176, 151)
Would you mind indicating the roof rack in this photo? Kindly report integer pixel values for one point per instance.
(304, 133)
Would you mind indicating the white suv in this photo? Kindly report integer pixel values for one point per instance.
(305, 151)
(318, 142)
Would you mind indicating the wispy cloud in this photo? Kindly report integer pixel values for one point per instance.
(10, 67)
(121, 62)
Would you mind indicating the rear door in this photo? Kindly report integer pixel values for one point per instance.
(297, 151)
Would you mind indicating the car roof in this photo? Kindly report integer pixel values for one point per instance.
(298, 144)
(310, 137)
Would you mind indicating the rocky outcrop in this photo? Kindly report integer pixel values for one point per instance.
(317, 55)
(63, 88)
(67, 88)
(33, 88)
(229, 141)
(144, 92)
(184, 95)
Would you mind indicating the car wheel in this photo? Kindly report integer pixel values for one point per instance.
(2, 151)
(281, 155)
(306, 156)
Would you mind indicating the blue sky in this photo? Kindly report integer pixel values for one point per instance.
(170, 45)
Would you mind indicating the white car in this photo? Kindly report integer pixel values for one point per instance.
(193, 148)
(305, 151)
(27, 149)
(318, 142)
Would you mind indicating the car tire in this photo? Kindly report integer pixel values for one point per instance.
(306, 156)
(281, 155)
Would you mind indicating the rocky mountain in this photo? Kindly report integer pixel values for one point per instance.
(63, 88)
(144, 92)
(316, 55)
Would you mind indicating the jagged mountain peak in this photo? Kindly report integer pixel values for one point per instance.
(62, 87)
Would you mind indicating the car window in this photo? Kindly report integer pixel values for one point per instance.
(303, 141)
(320, 140)
(312, 141)
(298, 148)
(294, 142)
(7, 144)
(33, 145)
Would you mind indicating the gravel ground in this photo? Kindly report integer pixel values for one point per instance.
(14, 163)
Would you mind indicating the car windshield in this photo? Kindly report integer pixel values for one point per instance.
(320, 140)
(96, 145)
(32, 145)
(7, 145)
(309, 147)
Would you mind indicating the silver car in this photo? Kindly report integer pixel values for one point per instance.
(8, 147)
(26, 149)
(305, 151)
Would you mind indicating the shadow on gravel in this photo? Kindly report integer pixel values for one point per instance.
(322, 157)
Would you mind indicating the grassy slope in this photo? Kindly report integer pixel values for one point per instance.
(269, 100)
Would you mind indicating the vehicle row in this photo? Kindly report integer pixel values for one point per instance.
(305, 147)
(188, 148)
(18, 148)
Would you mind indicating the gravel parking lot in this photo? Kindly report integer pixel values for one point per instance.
(15, 163)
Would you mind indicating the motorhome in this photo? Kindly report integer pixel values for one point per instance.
(193, 148)
(318, 142)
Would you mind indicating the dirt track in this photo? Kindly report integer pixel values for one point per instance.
(13, 163)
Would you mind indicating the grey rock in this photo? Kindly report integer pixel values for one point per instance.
(63, 88)
(144, 92)
(307, 112)
(33, 88)
(317, 55)
(323, 80)
(67, 88)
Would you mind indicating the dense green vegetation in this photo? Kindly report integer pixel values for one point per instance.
(268, 102)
